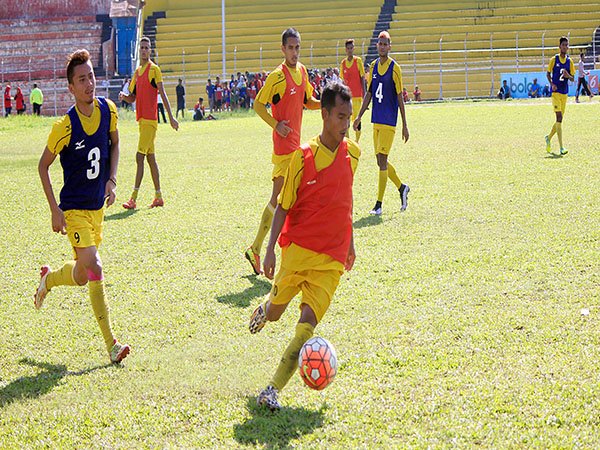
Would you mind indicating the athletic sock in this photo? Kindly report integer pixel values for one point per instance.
(358, 136)
(392, 175)
(263, 228)
(100, 308)
(552, 131)
(62, 276)
(134, 194)
(158, 194)
(558, 126)
(383, 176)
(289, 360)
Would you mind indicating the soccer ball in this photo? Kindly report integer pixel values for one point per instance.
(317, 363)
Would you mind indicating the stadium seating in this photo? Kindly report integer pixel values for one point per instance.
(253, 35)
(34, 50)
(503, 25)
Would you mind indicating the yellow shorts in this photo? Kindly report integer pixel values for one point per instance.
(84, 227)
(317, 286)
(559, 102)
(147, 136)
(383, 138)
(280, 164)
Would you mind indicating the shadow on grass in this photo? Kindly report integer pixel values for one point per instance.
(242, 299)
(553, 156)
(367, 221)
(276, 429)
(35, 386)
(121, 215)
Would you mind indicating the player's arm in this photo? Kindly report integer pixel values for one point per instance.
(365, 105)
(351, 253)
(398, 83)
(110, 191)
(571, 72)
(405, 134)
(549, 74)
(129, 98)
(58, 218)
(313, 103)
(263, 97)
(276, 226)
(165, 99)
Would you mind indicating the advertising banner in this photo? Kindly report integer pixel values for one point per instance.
(520, 83)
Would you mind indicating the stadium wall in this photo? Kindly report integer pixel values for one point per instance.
(38, 9)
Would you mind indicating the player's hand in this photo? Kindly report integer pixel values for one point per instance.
(110, 193)
(350, 258)
(269, 263)
(554, 88)
(356, 124)
(174, 123)
(405, 134)
(59, 224)
(121, 95)
(282, 129)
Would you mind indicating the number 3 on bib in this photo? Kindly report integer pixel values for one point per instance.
(94, 158)
(379, 92)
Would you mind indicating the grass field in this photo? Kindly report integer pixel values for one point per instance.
(459, 326)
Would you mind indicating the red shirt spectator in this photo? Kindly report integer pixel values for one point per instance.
(19, 99)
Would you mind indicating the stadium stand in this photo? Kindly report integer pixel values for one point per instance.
(36, 38)
(185, 31)
(503, 25)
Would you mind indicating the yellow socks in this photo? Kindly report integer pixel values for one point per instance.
(157, 194)
(62, 276)
(289, 360)
(553, 130)
(383, 176)
(100, 308)
(263, 229)
(558, 127)
(357, 136)
(392, 175)
(134, 194)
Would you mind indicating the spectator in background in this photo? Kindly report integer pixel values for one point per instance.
(504, 91)
(546, 91)
(536, 89)
(581, 81)
(199, 111)
(124, 90)
(36, 97)
(218, 96)
(180, 92)
(417, 94)
(20, 101)
(405, 95)
(161, 108)
(7, 101)
(210, 92)
(252, 91)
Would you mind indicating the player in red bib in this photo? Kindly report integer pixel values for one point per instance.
(313, 222)
(352, 72)
(288, 90)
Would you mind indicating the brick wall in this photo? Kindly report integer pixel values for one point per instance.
(34, 9)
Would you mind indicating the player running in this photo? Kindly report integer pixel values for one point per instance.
(288, 90)
(313, 222)
(384, 84)
(87, 140)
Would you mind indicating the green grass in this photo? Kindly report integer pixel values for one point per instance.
(459, 326)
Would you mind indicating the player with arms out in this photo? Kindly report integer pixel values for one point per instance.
(561, 69)
(145, 86)
(352, 72)
(384, 85)
(87, 140)
(288, 90)
(313, 222)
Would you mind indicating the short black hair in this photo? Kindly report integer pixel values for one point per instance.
(77, 58)
(349, 41)
(563, 39)
(290, 32)
(34, 85)
(146, 39)
(332, 91)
